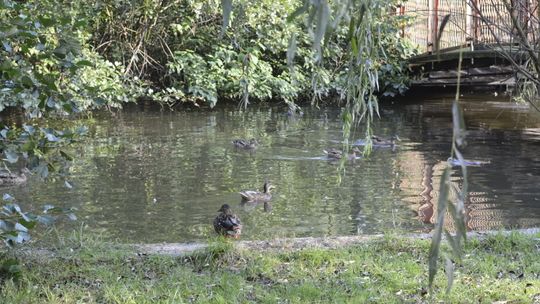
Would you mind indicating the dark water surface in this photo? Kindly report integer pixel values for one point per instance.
(152, 176)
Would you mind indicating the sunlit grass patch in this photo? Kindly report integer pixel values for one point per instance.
(389, 270)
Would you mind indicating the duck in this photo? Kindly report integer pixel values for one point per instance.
(245, 144)
(336, 154)
(227, 223)
(454, 162)
(9, 178)
(256, 196)
(379, 141)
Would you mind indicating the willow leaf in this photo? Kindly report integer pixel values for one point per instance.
(299, 11)
(323, 16)
(449, 268)
(459, 125)
(226, 6)
(437, 233)
(291, 51)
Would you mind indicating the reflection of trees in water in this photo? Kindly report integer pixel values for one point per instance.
(187, 162)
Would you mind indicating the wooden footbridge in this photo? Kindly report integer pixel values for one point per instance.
(490, 36)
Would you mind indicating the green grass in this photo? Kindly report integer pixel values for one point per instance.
(391, 270)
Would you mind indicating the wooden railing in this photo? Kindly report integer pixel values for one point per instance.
(470, 22)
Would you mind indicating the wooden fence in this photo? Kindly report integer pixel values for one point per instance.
(471, 22)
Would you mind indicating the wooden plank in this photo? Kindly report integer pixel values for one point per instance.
(480, 71)
(476, 80)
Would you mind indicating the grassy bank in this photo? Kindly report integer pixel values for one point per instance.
(389, 270)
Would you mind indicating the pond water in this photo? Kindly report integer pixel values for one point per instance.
(159, 176)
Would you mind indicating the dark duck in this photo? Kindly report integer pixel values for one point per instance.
(227, 223)
(245, 144)
(335, 154)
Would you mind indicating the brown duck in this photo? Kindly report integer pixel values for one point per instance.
(338, 154)
(379, 141)
(257, 196)
(227, 223)
(9, 178)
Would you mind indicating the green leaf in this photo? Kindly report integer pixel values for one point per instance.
(5, 65)
(82, 63)
(29, 221)
(458, 125)
(80, 24)
(46, 208)
(45, 219)
(10, 268)
(11, 156)
(352, 27)
(51, 137)
(29, 129)
(45, 21)
(20, 227)
(64, 20)
(68, 185)
(354, 45)
(437, 232)
(66, 155)
(291, 50)
(7, 46)
(453, 241)
(42, 170)
(299, 11)
(449, 268)
(323, 16)
(27, 82)
(100, 101)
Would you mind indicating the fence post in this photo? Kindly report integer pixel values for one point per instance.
(433, 23)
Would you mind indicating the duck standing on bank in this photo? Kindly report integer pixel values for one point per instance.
(10, 179)
(257, 196)
(227, 223)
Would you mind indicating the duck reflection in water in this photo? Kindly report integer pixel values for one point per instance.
(250, 206)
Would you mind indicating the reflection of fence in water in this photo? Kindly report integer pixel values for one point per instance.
(465, 24)
(418, 174)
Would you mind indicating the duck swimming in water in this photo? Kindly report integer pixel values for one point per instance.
(336, 154)
(245, 144)
(227, 223)
(256, 196)
(378, 141)
(469, 163)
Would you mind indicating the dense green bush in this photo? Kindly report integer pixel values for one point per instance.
(47, 67)
(47, 70)
(182, 49)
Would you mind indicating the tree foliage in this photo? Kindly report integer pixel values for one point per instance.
(183, 49)
(47, 70)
